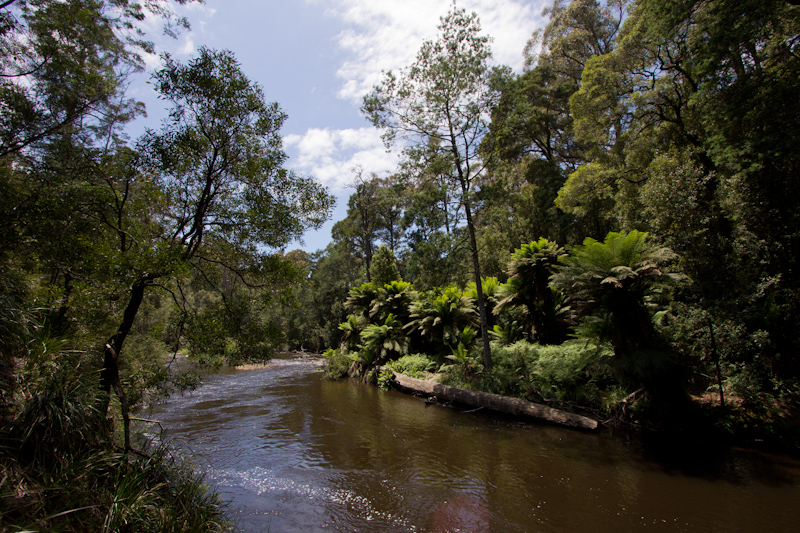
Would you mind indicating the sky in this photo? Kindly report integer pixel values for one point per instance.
(318, 58)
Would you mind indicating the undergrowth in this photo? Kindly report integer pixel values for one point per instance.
(61, 468)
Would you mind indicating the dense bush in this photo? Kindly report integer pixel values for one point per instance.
(337, 363)
(62, 470)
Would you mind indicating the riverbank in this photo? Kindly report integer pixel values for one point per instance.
(295, 452)
(685, 417)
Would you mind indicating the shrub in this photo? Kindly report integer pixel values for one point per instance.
(414, 365)
(337, 363)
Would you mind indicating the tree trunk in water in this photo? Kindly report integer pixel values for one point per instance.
(503, 404)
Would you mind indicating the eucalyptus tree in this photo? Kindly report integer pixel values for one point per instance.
(67, 62)
(363, 220)
(63, 73)
(532, 126)
(220, 194)
(433, 225)
(441, 104)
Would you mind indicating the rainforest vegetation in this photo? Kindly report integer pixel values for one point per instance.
(613, 231)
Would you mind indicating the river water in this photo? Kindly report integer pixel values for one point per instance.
(294, 452)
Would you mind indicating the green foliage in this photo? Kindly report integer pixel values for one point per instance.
(58, 420)
(528, 286)
(439, 105)
(393, 298)
(351, 332)
(439, 316)
(337, 363)
(148, 376)
(575, 372)
(415, 365)
(385, 379)
(383, 269)
(311, 313)
(361, 298)
(58, 455)
(616, 285)
(384, 341)
(672, 117)
(491, 287)
(507, 333)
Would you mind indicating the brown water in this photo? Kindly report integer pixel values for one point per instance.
(295, 452)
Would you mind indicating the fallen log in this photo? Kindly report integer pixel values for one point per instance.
(503, 404)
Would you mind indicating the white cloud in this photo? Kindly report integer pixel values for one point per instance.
(386, 35)
(330, 155)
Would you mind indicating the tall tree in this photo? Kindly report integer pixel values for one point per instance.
(67, 62)
(441, 103)
(217, 166)
(695, 109)
(363, 219)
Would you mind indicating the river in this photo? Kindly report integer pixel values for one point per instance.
(295, 452)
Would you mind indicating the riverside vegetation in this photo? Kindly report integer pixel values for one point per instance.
(612, 231)
(113, 254)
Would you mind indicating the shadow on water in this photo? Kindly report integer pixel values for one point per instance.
(297, 453)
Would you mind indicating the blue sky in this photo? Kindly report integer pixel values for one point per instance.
(317, 58)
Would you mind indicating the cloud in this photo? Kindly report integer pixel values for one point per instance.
(330, 155)
(386, 35)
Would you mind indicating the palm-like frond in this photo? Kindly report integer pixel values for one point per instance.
(622, 262)
(441, 317)
(385, 341)
(528, 288)
(360, 299)
(609, 284)
(351, 336)
(393, 298)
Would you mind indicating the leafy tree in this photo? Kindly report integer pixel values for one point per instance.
(312, 315)
(384, 267)
(363, 218)
(392, 202)
(435, 242)
(67, 62)
(223, 195)
(440, 103)
(693, 110)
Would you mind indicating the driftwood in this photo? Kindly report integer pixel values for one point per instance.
(503, 404)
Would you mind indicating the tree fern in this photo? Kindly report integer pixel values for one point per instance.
(528, 287)
(611, 285)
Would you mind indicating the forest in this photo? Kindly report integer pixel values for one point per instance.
(612, 231)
